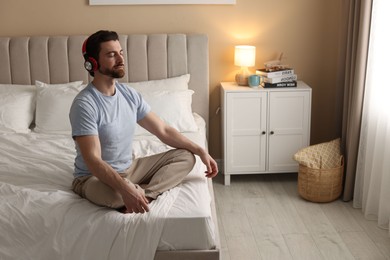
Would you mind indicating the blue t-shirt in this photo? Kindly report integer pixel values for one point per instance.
(112, 118)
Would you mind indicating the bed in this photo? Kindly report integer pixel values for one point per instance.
(40, 216)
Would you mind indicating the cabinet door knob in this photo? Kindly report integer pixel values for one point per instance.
(272, 132)
(263, 133)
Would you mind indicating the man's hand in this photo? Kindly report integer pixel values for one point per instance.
(211, 165)
(135, 200)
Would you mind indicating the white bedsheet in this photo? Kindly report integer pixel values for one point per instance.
(41, 218)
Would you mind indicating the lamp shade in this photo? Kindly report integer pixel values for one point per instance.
(244, 56)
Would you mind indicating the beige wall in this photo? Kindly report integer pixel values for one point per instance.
(306, 31)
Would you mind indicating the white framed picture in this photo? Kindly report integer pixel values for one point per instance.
(160, 2)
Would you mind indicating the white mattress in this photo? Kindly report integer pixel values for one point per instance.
(41, 216)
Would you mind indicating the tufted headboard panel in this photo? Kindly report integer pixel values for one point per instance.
(58, 59)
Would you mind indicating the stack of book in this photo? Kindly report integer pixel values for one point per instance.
(277, 77)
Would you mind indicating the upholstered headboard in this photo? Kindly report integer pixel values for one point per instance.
(58, 59)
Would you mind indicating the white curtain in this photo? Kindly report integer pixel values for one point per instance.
(372, 185)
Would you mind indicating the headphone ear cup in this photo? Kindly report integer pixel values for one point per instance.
(90, 64)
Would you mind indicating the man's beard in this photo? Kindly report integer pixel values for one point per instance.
(115, 73)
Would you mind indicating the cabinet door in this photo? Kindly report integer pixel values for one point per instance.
(289, 118)
(245, 132)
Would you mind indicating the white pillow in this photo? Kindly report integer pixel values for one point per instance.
(53, 105)
(17, 103)
(173, 107)
(174, 83)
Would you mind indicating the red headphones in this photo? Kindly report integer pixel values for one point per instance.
(90, 63)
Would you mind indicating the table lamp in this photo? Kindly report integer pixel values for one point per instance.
(244, 56)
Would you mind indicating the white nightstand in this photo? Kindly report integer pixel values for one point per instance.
(263, 128)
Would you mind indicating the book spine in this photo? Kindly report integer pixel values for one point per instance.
(280, 79)
(274, 74)
(279, 85)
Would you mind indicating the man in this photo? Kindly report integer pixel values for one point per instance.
(103, 118)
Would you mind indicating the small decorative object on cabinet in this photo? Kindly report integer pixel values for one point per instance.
(263, 128)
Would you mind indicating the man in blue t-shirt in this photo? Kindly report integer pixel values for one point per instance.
(103, 118)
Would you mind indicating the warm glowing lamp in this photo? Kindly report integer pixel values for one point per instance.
(244, 56)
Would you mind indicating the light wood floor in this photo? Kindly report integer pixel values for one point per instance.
(263, 217)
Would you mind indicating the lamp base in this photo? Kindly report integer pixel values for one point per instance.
(242, 79)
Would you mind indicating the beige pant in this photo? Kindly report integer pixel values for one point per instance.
(155, 174)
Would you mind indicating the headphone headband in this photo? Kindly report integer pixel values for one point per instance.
(84, 48)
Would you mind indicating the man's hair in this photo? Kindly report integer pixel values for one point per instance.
(93, 43)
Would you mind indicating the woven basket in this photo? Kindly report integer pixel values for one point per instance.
(320, 185)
